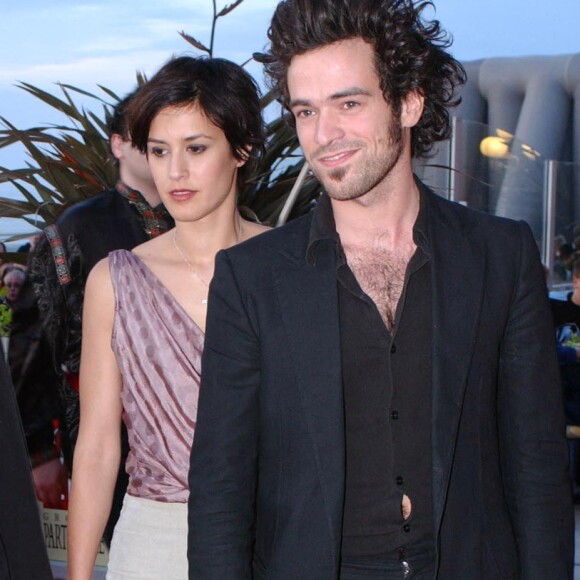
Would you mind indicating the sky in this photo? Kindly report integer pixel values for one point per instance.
(87, 43)
(91, 42)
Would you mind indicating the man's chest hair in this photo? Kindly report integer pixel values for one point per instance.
(381, 275)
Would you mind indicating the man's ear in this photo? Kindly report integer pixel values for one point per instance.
(412, 109)
(116, 142)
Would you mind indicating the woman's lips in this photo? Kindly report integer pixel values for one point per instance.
(182, 194)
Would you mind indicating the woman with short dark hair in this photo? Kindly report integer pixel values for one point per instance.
(199, 122)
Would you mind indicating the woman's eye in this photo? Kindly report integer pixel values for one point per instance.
(157, 151)
(196, 149)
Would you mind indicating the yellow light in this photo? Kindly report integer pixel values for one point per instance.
(504, 134)
(530, 152)
(494, 147)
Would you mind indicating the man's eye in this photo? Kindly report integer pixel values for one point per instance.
(350, 104)
(304, 113)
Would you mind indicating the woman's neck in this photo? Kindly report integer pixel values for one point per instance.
(200, 241)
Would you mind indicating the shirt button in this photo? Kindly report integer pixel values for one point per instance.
(394, 415)
(406, 528)
(399, 480)
(393, 349)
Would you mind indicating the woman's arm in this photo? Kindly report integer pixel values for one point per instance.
(97, 453)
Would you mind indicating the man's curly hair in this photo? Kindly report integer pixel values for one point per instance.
(409, 52)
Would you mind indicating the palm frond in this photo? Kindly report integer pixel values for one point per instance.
(71, 161)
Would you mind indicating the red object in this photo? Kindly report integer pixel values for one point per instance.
(73, 381)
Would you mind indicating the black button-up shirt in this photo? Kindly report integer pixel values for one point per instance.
(387, 397)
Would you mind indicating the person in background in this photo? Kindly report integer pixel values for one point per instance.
(380, 394)
(120, 218)
(566, 314)
(36, 386)
(199, 122)
(13, 280)
(30, 244)
(564, 260)
(568, 311)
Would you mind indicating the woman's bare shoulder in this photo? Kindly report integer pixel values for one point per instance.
(252, 229)
(99, 272)
(152, 247)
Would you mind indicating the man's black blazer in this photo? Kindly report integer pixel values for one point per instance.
(22, 550)
(267, 466)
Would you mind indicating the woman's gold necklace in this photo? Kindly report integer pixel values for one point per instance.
(190, 265)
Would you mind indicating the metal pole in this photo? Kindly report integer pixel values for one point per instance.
(549, 229)
(292, 196)
(452, 160)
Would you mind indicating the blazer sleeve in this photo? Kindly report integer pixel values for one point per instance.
(223, 467)
(22, 550)
(533, 449)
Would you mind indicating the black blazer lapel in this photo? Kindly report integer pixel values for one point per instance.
(308, 297)
(458, 267)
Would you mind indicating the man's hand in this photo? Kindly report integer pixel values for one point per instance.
(51, 483)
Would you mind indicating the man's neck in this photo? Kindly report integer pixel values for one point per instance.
(145, 187)
(383, 216)
(147, 190)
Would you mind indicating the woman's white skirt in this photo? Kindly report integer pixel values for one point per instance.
(149, 541)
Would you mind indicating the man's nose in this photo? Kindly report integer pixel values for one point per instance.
(328, 128)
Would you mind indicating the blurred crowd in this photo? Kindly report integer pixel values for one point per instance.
(565, 253)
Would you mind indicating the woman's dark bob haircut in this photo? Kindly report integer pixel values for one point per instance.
(224, 91)
(409, 52)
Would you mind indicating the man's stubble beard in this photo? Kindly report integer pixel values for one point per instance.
(352, 182)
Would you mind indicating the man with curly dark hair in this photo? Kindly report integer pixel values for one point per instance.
(380, 394)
